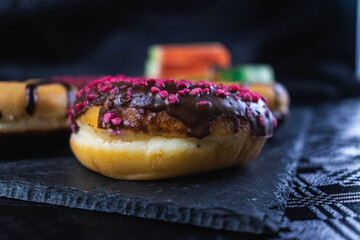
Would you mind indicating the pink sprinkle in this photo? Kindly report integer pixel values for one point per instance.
(69, 112)
(201, 83)
(172, 98)
(129, 93)
(129, 89)
(194, 91)
(97, 81)
(135, 83)
(154, 89)
(275, 123)
(220, 91)
(255, 96)
(88, 88)
(80, 105)
(248, 113)
(123, 86)
(163, 94)
(91, 96)
(206, 90)
(186, 90)
(116, 121)
(159, 84)
(182, 84)
(180, 93)
(108, 116)
(236, 98)
(203, 103)
(234, 88)
(79, 92)
(143, 84)
(151, 80)
(105, 88)
(246, 96)
(69, 119)
(261, 120)
(114, 90)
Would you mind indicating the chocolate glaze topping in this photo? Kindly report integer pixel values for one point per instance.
(31, 98)
(31, 95)
(197, 106)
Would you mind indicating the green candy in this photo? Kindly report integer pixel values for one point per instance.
(250, 73)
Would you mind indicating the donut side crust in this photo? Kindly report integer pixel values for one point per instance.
(161, 157)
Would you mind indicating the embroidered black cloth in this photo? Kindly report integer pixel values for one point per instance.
(325, 200)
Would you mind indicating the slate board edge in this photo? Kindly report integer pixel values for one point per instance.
(221, 219)
(288, 179)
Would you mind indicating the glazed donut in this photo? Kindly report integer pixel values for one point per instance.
(143, 129)
(34, 105)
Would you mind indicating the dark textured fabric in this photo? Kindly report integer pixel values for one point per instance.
(310, 43)
(325, 200)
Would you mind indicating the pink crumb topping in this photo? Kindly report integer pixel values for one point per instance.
(172, 98)
(91, 96)
(79, 93)
(151, 80)
(108, 116)
(163, 94)
(206, 90)
(143, 84)
(182, 84)
(255, 96)
(69, 119)
(114, 90)
(186, 90)
(220, 91)
(154, 89)
(116, 121)
(261, 119)
(234, 88)
(180, 93)
(105, 88)
(80, 105)
(194, 91)
(159, 84)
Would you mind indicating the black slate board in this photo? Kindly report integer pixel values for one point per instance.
(249, 198)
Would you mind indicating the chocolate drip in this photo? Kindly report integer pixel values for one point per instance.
(198, 118)
(31, 95)
(31, 98)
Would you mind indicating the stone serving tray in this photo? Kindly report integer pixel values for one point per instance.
(250, 198)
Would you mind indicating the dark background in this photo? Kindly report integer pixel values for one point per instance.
(310, 43)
